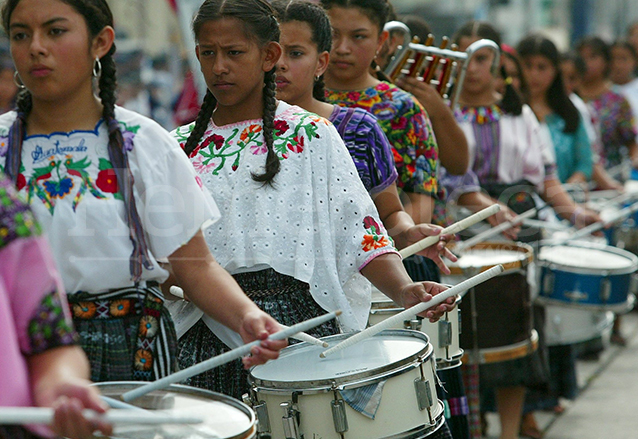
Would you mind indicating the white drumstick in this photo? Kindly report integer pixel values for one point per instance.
(495, 230)
(621, 215)
(302, 336)
(452, 229)
(44, 415)
(559, 227)
(409, 313)
(224, 358)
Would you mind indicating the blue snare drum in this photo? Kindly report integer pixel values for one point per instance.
(586, 275)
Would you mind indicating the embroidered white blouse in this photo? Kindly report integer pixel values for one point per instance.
(69, 182)
(317, 224)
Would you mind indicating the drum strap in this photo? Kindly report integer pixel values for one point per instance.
(152, 356)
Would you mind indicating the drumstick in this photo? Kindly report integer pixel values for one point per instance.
(495, 230)
(224, 358)
(559, 227)
(117, 404)
(454, 228)
(44, 415)
(624, 213)
(416, 309)
(302, 336)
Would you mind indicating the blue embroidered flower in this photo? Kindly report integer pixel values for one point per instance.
(58, 188)
(128, 139)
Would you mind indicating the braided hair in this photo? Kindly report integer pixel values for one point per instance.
(512, 102)
(321, 32)
(97, 16)
(259, 22)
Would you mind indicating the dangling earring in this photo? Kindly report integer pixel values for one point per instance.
(18, 81)
(97, 68)
(317, 78)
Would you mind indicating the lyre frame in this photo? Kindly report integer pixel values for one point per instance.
(463, 57)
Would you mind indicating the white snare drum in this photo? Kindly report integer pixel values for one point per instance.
(564, 325)
(444, 334)
(301, 393)
(224, 417)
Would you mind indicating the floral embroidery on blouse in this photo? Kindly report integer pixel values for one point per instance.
(49, 326)
(479, 115)
(17, 220)
(407, 127)
(70, 176)
(214, 152)
(374, 238)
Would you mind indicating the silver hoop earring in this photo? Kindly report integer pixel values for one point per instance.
(18, 81)
(97, 68)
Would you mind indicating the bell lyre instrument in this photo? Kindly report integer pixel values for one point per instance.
(444, 68)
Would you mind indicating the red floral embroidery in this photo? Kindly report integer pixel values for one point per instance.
(298, 146)
(281, 126)
(21, 181)
(372, 242)
(107, 181)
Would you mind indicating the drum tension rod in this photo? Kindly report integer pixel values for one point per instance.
(339, 416)
(424, 393)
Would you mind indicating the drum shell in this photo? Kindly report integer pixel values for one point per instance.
(504, 313)
(445, 354)
(587, 287)
(231, 419)
(398, 412)
(566, 325)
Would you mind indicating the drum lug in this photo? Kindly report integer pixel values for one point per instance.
(548, 282)
(290, 420)
(339, 415)
(414, 324)
(263, 421)
(605, 290)
(445, 333)
(423, 393)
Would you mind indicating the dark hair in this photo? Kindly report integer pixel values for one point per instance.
(574, 57)
(377, 11)
(624, 44)
(417, 25)
(511, 102)
(556, 96)
(259, 22)
(599, 47)
(512, 55)
(321, 32)
(97, 15)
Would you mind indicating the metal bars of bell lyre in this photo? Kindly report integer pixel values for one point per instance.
(443, 68)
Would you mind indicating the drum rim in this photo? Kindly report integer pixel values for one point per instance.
(485, 353)
(418, 432)
(348, 381)
(590, 270)
(617, 308)
(517, 246)
(196, 391)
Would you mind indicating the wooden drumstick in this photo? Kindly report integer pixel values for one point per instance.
(302, 336)
(452, 229)
(409, 313)
(495, 230)
(44, 415)
(431, 70)
(224, 358)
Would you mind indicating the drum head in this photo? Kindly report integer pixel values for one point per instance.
(485, 255)
(588, 258)
(224, 417)
(373, 359)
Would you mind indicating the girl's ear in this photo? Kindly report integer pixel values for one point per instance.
(103, 42)
(272, 52)
(322, 64)
(382, 39)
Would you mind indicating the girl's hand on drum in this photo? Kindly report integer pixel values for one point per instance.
(257, 325)
(75, 395)
(418, 292)
(434, 252)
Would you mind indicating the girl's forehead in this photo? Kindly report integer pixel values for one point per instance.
(224, 29)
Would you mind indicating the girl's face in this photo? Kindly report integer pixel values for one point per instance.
(356, 41)
(622, 65)
(52, 50)
(479, 78)
(596, 64)
(300, 63)
(571, 78)
(539, 73)
(233, 64)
